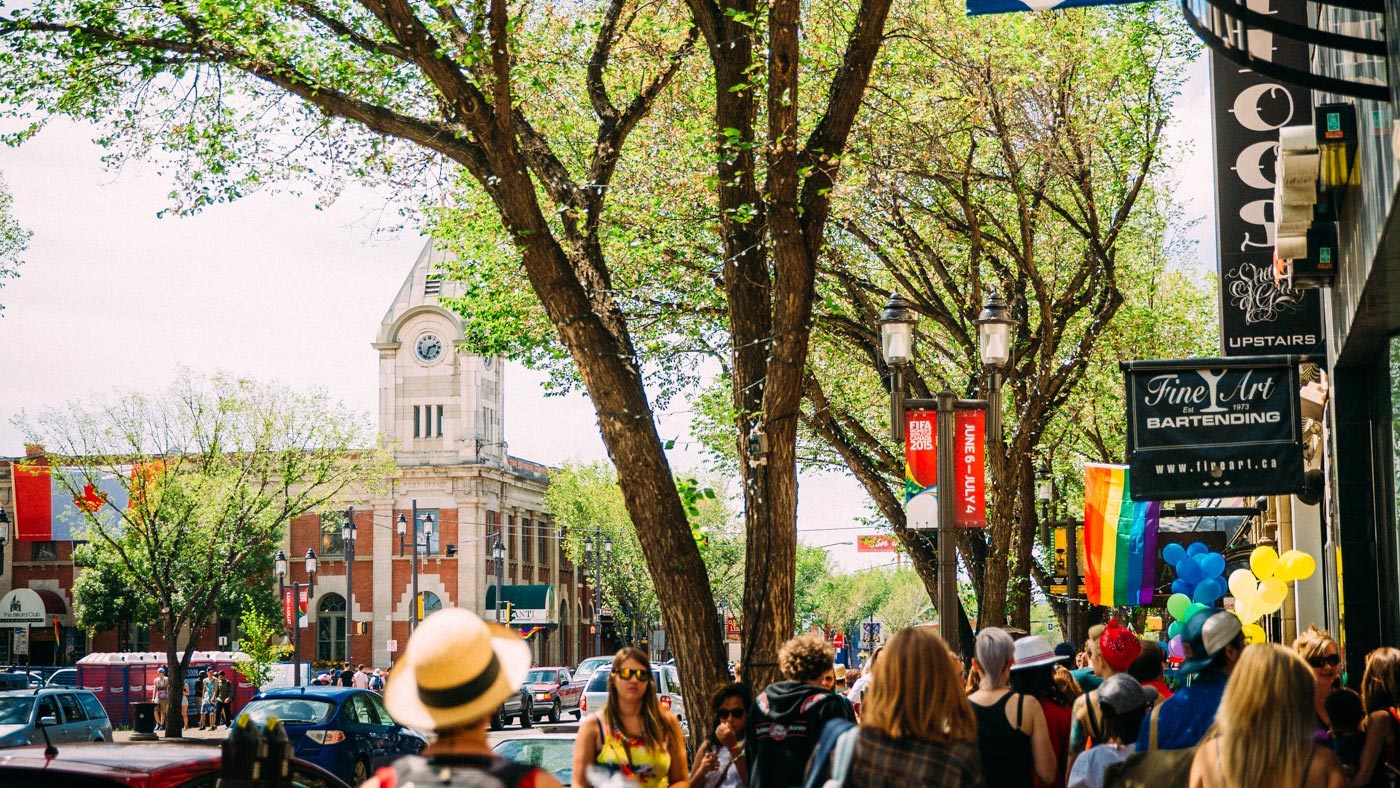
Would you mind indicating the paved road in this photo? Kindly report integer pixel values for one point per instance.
(214, 737)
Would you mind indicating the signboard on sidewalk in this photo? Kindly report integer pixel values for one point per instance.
(921, 468)
(21, 640)
(1213, 428)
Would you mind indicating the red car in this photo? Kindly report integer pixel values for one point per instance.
(555, 692)
(132, 766)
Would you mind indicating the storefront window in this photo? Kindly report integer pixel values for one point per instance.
(330, 628)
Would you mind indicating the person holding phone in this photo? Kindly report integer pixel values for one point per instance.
(720, 761)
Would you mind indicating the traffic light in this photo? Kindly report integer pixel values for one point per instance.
(361, 627)
(508, 613)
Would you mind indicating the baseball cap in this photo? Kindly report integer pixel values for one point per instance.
(1122, 693)
(1205, 635)
(1119, 646)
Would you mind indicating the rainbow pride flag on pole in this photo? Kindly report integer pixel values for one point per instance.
(1120, 539)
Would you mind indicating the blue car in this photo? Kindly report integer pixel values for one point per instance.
(344, 730)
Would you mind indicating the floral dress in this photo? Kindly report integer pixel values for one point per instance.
(649, 767)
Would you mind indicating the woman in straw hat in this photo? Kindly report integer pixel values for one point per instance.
(632, 735)
(453, 675)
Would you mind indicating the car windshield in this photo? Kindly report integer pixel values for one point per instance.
(16, 711)
(292, 711)
(542, 677)
(553, 755)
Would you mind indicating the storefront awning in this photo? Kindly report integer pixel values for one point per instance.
(30, 607)
(530, 605)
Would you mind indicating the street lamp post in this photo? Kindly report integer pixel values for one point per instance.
(280, 563)
(415, 615)
(498, 551)
(1045, 495)
(347, 539)
(596, 547)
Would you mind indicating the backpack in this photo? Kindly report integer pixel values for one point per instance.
(821, 769)
(1154, 768)
(376, 683)
(456, 771)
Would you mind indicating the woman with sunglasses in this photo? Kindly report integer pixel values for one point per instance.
(1321, 653)
(720, 761)
(632, 735)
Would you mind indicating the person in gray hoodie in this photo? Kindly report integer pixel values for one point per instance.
(788, 716)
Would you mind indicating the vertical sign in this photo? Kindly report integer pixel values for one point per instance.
(1257, 317)
(288, 609)
(21, 642)
(921, 468)
(295, 614)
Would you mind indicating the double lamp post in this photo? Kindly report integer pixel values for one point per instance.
(423, 526)
(897, 323)
(281, 565)
(595, 546)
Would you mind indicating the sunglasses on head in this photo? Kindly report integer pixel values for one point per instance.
(640, 674)
(725, 714)
(1331, 659)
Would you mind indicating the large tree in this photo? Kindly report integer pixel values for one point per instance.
(212, 473)
(252, 92)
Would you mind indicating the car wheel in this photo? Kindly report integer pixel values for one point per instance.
(527, 719)
(578, 714)
(360, 773)
(498, 720)
(556, 710)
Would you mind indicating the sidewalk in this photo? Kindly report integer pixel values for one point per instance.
(192, 736)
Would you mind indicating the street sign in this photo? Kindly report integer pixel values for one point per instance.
(1059, 578)
(393, 646)
(21, 640)
(839, 641)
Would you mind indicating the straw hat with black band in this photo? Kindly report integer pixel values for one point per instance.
(455, 670)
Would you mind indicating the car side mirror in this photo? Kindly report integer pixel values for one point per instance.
(48, 720)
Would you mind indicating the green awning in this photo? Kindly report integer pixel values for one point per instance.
(529, 604)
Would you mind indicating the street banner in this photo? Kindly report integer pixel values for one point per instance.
(979, 7)
(877, 543)
(1120, 538)
(1214, 428)
(299, 610)
(921, 468)
(1258, 316)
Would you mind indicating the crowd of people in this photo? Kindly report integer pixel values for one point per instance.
(1024, 714)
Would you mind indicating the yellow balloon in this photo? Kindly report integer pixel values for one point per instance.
(1264, 562)
(1245, 610)
(1264, 608)
(1297, 565)
(1273, 591)
(1242, 584)
(1253, 634)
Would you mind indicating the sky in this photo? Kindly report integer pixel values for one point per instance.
(112, 298)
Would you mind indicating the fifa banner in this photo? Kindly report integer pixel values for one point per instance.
(979, 7)
(921, 468)
(1214, 428)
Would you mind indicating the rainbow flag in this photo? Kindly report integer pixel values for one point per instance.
(1120, 539)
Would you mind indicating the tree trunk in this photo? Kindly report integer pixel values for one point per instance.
(174, 704)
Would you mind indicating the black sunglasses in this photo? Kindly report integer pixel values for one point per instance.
(725, 714)
(1331, 659)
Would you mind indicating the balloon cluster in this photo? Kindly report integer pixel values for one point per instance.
(1261, 589)
(1199, 582)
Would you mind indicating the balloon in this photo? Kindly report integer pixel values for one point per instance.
(1175, 648)
(1264, 562)
(1295, 565)
(1273, 591)
(1242, 584)
(1177, 604)
(1260, 607)
(1173, 553)
(1213, 565)
(1190, 571)
(1197, 548)
(1180, 586)
(1193, 609)
(1206, 592)
(1247, 610)
(1253, 634)
(1175, 629)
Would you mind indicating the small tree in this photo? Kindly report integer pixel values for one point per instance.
(212, 473)
(260, 638)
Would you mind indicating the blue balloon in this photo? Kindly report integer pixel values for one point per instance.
(1206, 592)
(1180, 586)
(1213, 565)
(1173, 553)
(1190, 571)
(1197, 548)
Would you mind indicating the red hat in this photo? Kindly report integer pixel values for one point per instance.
(1119, 646)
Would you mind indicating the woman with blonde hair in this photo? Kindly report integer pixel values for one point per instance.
(1264, 728)
(632, 734)
(916, 728)
(1322, 654)
(1380, 694)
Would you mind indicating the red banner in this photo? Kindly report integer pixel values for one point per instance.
(921, 468)
(288, 616)
(877, 543)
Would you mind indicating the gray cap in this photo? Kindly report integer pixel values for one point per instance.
(1123, 693)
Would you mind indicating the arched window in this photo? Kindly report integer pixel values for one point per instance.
(431, 603)
(330, 628)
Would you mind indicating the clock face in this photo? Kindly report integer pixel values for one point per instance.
(428, 348)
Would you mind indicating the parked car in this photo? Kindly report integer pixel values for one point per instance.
(520, 707)
(553, 752)
(65, 715)
(588, 667)
(344, 730)
(63, 677)
(155, 765)
(555, 692)
(665, 678)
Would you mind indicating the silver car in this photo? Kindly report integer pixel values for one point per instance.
(65, 715)
(665, 678)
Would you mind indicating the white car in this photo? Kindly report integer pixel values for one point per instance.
(665, 678)
(588, 667)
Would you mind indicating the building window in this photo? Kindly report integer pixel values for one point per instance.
(44, 551)
(332, 543)
(546, 556)
(439, 421)
(143, 638)
(526, 543)
(431, 604)
(330, 628)
(417, 422)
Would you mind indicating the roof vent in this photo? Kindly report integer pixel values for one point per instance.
(433, 285)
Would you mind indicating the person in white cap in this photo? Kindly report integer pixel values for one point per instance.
(454, 673)
(1124, 702)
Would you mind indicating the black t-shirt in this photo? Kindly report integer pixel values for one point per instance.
(347, 678)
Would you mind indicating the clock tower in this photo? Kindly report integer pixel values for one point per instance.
(437, 406)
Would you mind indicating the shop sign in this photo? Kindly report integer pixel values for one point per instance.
(21, 607)
(1257, 316)
(877, 543)
(921, 468)
(1214, 428)
(519, 615)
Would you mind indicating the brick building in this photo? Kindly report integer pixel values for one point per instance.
(442, 414)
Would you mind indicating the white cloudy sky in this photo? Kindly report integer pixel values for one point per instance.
(111, 297)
